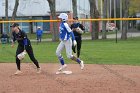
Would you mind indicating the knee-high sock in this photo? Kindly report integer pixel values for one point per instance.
(61, 60)
(76, 59)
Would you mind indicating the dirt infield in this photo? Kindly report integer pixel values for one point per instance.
(93, 79)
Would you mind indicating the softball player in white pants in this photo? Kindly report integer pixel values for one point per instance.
(66, 42)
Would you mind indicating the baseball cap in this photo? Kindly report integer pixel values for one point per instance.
(38, 27)
(14, 25)
(75, 18)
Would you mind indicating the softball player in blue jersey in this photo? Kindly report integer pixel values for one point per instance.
(66, 42)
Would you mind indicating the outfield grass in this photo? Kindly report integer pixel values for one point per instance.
(44, 36)
(49, 35)
(92, 52)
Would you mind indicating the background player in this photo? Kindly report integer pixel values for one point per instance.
(77, 29)
(39, 33)
(66, 42)
(23, 45)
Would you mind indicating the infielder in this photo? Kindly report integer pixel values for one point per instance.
(66, 42)
(77, 29)
(24, 46)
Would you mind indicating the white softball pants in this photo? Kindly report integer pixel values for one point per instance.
(67, 44)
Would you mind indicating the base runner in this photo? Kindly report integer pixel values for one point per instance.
(66, 42)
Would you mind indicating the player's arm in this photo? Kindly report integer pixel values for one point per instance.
(25, 42)
(82, 27)
(41, 32)
(13, 39)
(73, 28)
(71, 32)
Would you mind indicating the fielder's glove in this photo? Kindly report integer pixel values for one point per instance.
(74, 42)
(21, 55)
(79, 30)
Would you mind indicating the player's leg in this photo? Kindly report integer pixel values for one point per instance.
(3, 40)
(68, 46)
(31, 55)
(79, 42)
(73, 48)
(37, 39)
(40, 38)
(60, 57)
(18, 51)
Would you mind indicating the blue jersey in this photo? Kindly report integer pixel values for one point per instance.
(39, 32)
(65, 31)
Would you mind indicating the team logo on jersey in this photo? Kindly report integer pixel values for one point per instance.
(61, 29)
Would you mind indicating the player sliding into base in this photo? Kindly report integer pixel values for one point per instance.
(66, 42)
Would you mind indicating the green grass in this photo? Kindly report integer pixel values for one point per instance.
(44, 36)
(93, 52)
(49, 35)
(108, 52)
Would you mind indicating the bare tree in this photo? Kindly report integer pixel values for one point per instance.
(125, 23)
(6, 16)
(54, 24)
(15, 9)
(30, 25)
(0, 26)
(94, 14)
(104, 22)
(74, 6)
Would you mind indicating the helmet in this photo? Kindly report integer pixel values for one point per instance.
(63, 16)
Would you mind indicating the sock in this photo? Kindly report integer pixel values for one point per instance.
(76, 59)
(61, 60)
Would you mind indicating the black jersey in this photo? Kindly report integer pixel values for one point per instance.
(76, 25)
(21, 38)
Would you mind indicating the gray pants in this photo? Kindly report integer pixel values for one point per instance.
(4, 40)
(67, 44)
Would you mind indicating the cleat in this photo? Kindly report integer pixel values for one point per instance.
(82, 65)
(17, 72)
(62, 67)
(38, 70)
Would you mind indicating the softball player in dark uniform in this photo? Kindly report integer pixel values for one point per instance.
(23, 45)
(77, 29)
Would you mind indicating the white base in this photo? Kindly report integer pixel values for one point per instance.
(64, 72)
